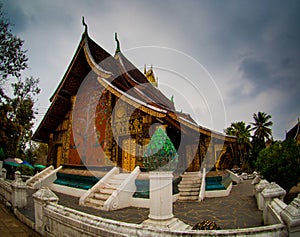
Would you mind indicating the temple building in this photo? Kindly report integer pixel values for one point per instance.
(294, 133)
(104, 112)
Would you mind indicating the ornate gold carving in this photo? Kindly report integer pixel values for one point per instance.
(130, 101)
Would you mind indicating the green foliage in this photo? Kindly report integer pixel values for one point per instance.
(160, 153)
(261, 126)
(12, 57)
(25, 170)
(17, 117)
(280, 163)
(242, 133)
(16, 111)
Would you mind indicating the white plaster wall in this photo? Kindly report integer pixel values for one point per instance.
(219, 193)
(75, 192)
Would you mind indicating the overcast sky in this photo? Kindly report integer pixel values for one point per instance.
(222, 60)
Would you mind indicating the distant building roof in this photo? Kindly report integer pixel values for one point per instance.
(294, 132)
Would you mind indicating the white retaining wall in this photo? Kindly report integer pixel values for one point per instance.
(219, 193)
(56, 220)
(63, 221)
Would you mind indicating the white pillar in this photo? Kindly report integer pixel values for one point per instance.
(258, 188)
(4, 173)
(41, 198)
(161, 203)
(273, 190)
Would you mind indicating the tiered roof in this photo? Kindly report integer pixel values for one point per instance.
(118, 75)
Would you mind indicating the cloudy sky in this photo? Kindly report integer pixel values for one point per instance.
(222, 60)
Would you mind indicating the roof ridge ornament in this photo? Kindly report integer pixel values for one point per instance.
(118, 50)
(85, 25)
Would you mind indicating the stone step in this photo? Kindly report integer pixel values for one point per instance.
(191, 174)
(106, 190)
(120, 176)
(188, 198)
(189, 185)
(190, 177)
(101, 196)
(115, 181)
(189, 193)
(110, 185)
(190, 181)
(188, 190)
(96, 202)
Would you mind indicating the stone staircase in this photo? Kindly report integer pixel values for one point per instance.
(44, 178)
(189, 187)
(113, 191)
(100, 195)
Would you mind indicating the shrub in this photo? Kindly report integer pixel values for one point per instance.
(280, 163)
(206, 225)
(25, 170)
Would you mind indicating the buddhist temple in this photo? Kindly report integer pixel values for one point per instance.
(105, 110)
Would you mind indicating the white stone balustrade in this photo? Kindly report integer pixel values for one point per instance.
(270, 192)
(41, 198)
(258, 188)
(4, 173)
(291, 216)
(19, 192)
(271, 214)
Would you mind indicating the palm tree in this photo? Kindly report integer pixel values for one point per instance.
(261, 126)
(262, 132)
(242, 133)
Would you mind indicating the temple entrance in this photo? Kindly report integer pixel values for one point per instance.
(128, 154)
(58, 152)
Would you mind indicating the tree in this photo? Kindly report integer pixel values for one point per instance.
(280, 163)
(13, 58)
(16, 111)
(261, 126)
(242, 133)
(262, 132)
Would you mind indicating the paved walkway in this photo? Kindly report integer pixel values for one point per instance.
(238, 210)
(10, 226)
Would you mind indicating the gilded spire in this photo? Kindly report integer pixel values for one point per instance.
(118, 43)
(85, 25)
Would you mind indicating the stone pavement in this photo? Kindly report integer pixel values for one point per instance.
(10, 226)
(238, 210)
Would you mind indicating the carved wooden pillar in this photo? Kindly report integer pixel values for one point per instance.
(108, 130)
(50, 160)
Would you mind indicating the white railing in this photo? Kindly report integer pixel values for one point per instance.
(122, 196)
(63, 221)
(5, 190)
(100, 184)
(39, 175)
(234, 177)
